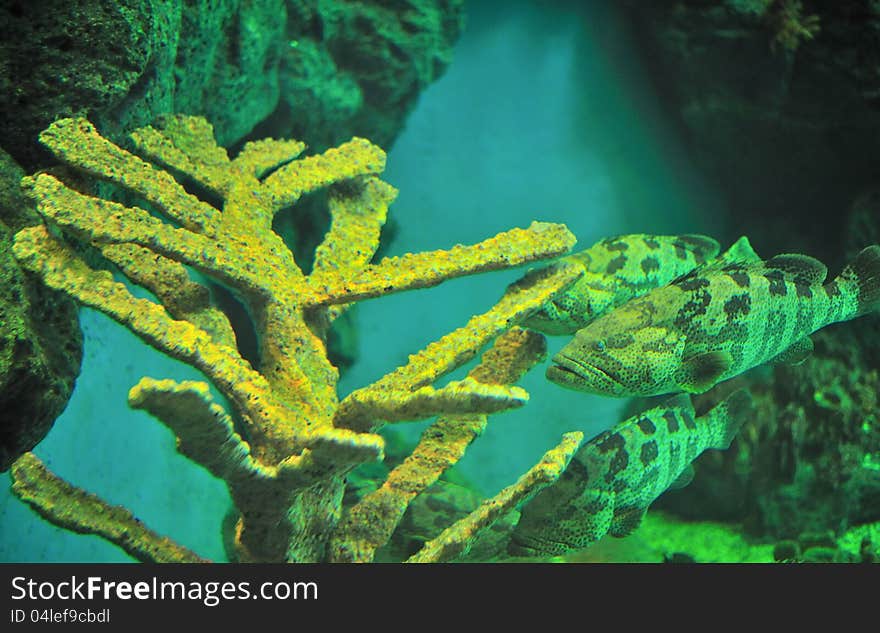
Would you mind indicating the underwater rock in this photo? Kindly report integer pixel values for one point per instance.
(324, 71)
(856, 546)
(863, 224)
(124, 63)
(61, 58)
(40, 339)
(358, 67)
(779, 95)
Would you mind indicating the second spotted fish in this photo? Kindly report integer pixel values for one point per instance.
(616, 270)
(614, 478)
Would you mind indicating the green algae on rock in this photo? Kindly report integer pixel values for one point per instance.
(320, 71)
(40, 339)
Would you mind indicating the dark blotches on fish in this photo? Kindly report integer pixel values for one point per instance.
(646, 426)
(651, 243)
(739, 277)
(696, 307)
(649, 452)
(803, 291)
(612, 442)
(777, 283)
(619, 341)
(615, 264)
(688, 420)
(616, 245)
(617, 464)
(738, 306)
(691, 283)
(671, 421)
(650, 264)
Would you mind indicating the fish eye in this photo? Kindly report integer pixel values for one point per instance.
(599, 346)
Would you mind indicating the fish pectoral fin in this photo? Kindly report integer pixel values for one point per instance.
(627, 521)
(796, 353)
(686, 477)
(702, 372)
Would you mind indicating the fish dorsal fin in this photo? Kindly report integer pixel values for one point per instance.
(681, 401)
(800, 269)
(728, 416)
(739, 255)
(740, 252)
(702, 246)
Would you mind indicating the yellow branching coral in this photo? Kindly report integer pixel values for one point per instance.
(286, 441)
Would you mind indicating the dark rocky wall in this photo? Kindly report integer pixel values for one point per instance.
(780, 101)
(40, 340)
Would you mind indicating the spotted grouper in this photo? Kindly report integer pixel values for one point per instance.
(614, 477)
(715, 323)
(616, 270)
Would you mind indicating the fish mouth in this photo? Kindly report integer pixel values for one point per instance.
(581, 376)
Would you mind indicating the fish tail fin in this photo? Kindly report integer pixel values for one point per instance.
(861, 279)
(728, 416)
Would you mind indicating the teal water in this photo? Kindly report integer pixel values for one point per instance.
(544, 114)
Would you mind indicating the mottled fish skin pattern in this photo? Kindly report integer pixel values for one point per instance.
(613, 478)
(616, 270)
(715, 323)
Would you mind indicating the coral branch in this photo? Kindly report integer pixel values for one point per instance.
(186, 144)
(77, 142)
(184, 299)
(455, 540)
(423, 270)
(259, 157)
(369, 524)
(354, 232)
(205, 433)
(364, 408)
(106, 222)
(61, 268)
(79, 511)
(358, 157)
(285, 471)
(458, 347)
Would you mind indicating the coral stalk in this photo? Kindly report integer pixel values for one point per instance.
(285, 442)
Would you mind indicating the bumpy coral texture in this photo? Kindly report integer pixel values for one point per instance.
(284, 441)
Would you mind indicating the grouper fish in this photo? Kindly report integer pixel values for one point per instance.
(715, 323)
(609, 484)
(616, 270)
